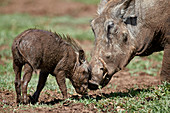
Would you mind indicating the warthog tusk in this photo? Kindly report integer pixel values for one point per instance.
(105, 75)
(105, 71)
(133, 48)
(103, 62)
(93, 82)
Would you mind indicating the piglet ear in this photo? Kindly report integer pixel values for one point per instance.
(81, 57)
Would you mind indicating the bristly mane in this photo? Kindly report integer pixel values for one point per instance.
(75, 45)
(67, 39)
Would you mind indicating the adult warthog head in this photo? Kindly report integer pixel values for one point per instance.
(115, 45)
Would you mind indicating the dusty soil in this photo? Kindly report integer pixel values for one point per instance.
(121, 82)
(47, 7)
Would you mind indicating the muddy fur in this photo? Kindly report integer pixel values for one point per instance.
(52, 54)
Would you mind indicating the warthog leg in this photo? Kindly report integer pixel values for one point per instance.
(60, 78)
(26, 78)
(41, 83)
(17, 70)
(165, 73)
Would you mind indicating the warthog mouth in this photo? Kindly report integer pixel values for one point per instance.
(93, 85)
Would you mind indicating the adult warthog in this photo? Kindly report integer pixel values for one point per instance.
(127, 28)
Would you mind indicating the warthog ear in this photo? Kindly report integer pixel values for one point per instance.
(125, 8)
(81, 57)
(102, 6)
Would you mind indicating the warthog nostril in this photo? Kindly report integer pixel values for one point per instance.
(93, 85)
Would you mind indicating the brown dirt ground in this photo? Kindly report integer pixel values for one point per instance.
(121, 82)
(47, 7)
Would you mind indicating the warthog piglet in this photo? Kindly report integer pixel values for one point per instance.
(53, 54)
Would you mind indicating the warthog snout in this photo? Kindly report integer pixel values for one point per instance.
(101, 72)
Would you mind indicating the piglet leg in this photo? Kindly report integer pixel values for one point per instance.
(26, 78)
(60, 78)
(17, 70)
(41, 83)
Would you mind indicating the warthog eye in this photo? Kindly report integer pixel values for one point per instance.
(110, 26)
(110, 30)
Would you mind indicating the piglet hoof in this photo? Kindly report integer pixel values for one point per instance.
(65, 97)
(25, 102)
(18, 101)
(32, 100)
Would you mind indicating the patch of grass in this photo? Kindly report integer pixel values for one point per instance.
(12, 25)
(150, 64)
(156, 56)
(7, 77)
(155, 100)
